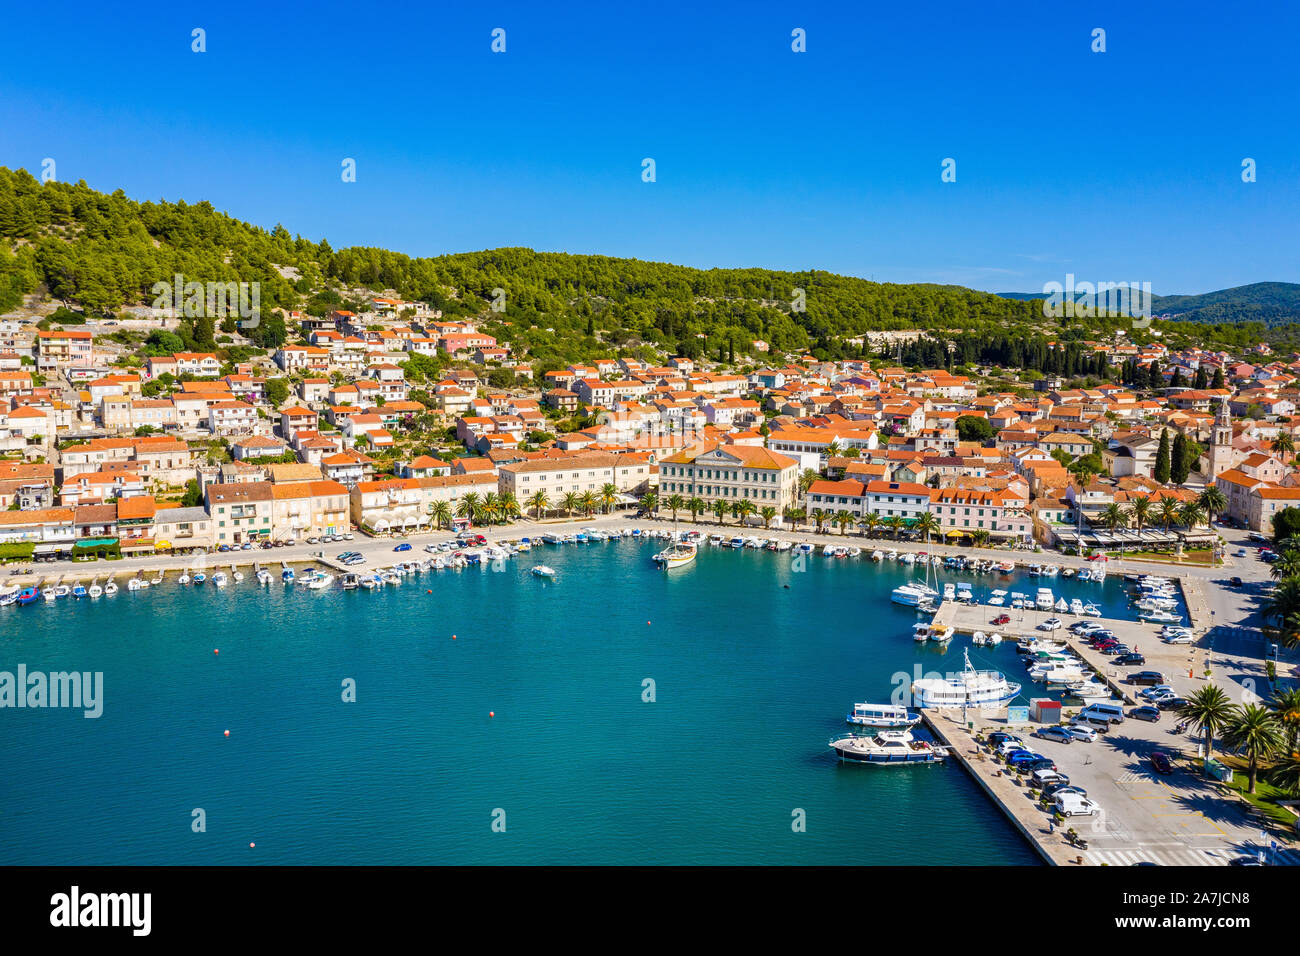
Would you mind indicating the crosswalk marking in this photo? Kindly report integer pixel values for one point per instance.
(1187, 856)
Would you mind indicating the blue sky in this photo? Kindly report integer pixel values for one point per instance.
(1123, 165)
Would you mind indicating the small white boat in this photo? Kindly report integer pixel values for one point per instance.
(1076, 606)
(995, 639)
(542, 571)
(979, 639)
(220, 579)
(94, 591)
(110, 589)
(159, 578)
(1091, 610)
(135, 584)
(199, 577)
(920, 632)
(1061, 605)
(320, 581)
(882, 715)
(877, 555)
(998, 598)
(238, 576)
(886, 748)
(263, 577)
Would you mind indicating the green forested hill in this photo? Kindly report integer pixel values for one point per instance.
(1268, 303)
(99, 252)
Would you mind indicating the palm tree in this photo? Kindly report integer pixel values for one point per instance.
(1211, 710)
(743, 509)
(1140, 513)
(719, 508)
(833, 449)
(587, 502)
(1169, 510)
(794, 515)
(1113, 517)
(806, 479)
(509, 505)
(1284, 444)
(1213, 500)
(927, 522)
(870, 521)
(1191, 514)
(468, 505)
(491, 506)
(1286, 566)
(1285, 774)
(570, 502)
(895, 524)
(1254, 730)
(767, 513)
(843, 519)
(538, 502)
(820, 516)
(608, 497)
(649, 502)
(676, 503)
(696, 507)
(980, 537)
(1286, 707)
(441, 514)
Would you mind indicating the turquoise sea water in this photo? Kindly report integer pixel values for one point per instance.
(751, 680)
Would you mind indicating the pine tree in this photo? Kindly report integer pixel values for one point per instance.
(1218, 379)
(1161, 473)
(1179, 465)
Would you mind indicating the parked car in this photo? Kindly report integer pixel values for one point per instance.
(1054, 733)
(1160, 762)
(1180, 639)
(1126, 660)
(1051, 624)
(1145, 712)
(1041, 778)
(404, 546)
(1239, 553)
(1172, 702)
(1001, 619)
(1147, 678)
(1078, 732)
(313, 540)
(1023, 757)
(1117, 650)
(1074, 805)
(224, 548)
(1033, 766)
(1052, 789)
(997, 738)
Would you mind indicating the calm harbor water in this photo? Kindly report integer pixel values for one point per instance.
(754, 664)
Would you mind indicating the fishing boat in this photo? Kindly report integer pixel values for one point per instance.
(964, 593)
(28, 596)
(1044, 599)
(78, 590)
(135, 584)
(1067, 572)
(9, 596)
(263, 577)
(995, 639)
(542, 571)
(221, 579)
(94, 591)
(1006, 567)
(886, 748)
(1160, 617)
(882, 715)
(1061, 605)
(159, 578)
(972, 688)
(1076, 606)
(370, 582)
(998, 597)
(920, 632)
(677, 556)
(110, 588)
(287, 575)
(1091, 610)
(348, 582)
(320, 581)
(942, 633)
(199, 577)
(877, 555)
(949, 591)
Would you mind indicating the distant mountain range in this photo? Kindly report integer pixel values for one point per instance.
(1273, 303)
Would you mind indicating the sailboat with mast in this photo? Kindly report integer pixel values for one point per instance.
(915, 593)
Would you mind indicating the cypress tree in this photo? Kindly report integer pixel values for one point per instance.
(1202, 380)
(1218, 378)
(1179, 465)
(1161, 472)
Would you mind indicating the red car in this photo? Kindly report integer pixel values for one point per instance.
(1002, 619)
(1160, 762)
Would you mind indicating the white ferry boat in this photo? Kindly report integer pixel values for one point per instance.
(882, 715)
(972, 687)
(913, 595)
(888, 748)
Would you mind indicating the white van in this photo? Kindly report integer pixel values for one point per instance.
(1074, 804)
(1097, 723)
(1111, 713)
